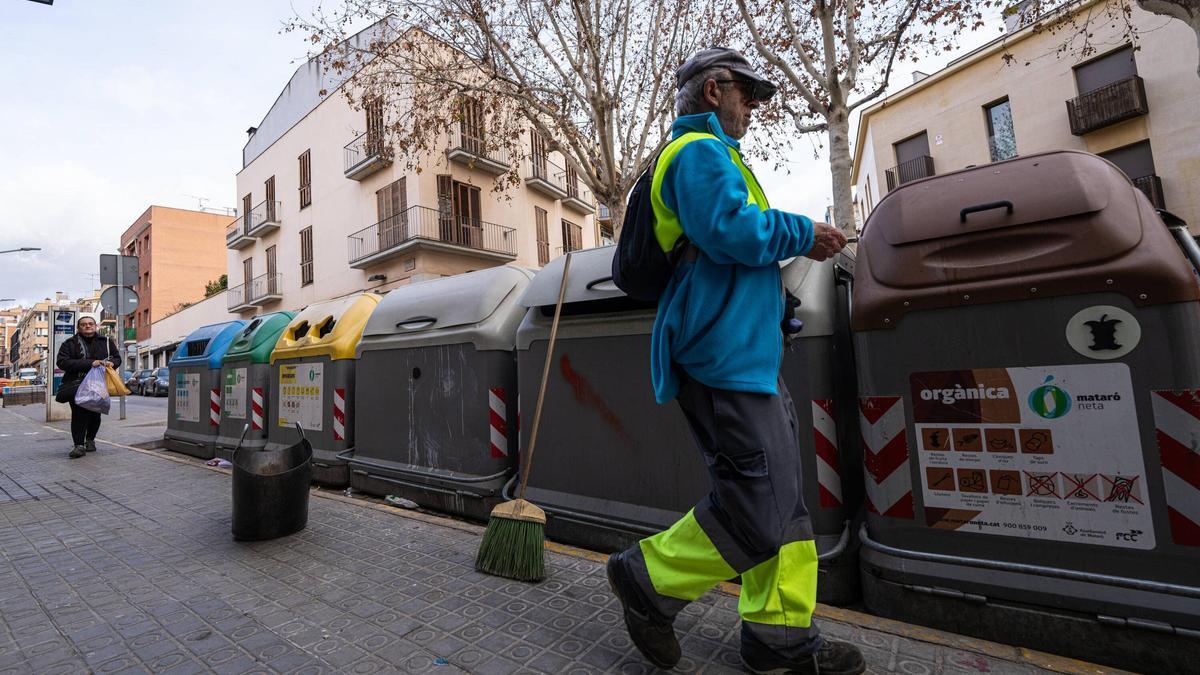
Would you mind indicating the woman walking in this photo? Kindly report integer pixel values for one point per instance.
(77, 356)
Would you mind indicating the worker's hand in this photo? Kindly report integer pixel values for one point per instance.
(827, 241)
(97, 363)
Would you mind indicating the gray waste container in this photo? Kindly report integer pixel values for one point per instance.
(246, 384)
(436, 392)
(1029, 370)
(194, 399)
(613, 466)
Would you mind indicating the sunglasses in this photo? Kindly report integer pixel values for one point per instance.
(753, 90)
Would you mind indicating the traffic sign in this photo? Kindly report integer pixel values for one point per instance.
(124, 305)
(108, 269)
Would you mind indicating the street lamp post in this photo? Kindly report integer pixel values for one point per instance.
(23, 248)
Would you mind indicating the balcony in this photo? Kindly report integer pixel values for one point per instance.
(1122, 100)
(420, 226)
(365, 155)
(236, 236)
(921, 167)
(258, 292)
(263, 218)
(472, 151)
(579, 198)
(1152, 186)
(544, 176)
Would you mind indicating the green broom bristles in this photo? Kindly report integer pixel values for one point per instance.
(514, 544)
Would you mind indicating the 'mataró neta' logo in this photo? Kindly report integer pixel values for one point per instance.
(1050, 401)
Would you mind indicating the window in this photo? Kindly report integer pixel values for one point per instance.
(572, 182)
(572, 236)
(1112, 67)
(537, 156)
(606, 232)
(305, 179)
(248, 272)
(272, 286)
(374, 111)
(1135, 160)
(471, 126)
(391, 204)
(269, 188)
(543, 235)
(1002, 140)
(247, 204)
(912, 161)
(459, 213)
(306, 256)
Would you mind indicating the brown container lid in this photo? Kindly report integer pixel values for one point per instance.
(1051, 224)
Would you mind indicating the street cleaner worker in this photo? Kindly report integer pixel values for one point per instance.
(717, 349)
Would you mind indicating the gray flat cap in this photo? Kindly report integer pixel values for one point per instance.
(730, 59)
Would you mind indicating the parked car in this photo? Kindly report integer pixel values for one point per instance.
(144, 381)
(133, 382)
(159, 382)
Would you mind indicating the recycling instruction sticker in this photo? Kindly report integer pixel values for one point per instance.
(187, 397)
(1045, 453)
(234, 402)
(300, 395)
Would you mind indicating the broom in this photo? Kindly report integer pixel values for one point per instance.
(513, 545)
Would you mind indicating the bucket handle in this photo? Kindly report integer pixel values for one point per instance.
(1003, 203)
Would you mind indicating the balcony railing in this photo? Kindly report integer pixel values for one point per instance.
(422, 224)
(472, 149)
(921, 167)
(236, 234)
(263, 218)
(1112, 103)
(579, 197)
(1152, 186)
(261, 290)
(544, 176)
(365, 155)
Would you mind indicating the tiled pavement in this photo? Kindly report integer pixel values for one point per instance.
(122, 562)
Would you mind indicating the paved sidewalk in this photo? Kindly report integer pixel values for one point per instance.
(122, 562)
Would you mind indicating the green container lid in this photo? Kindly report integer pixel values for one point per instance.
(258, 338)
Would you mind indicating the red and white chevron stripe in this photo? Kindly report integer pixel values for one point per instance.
(256, 408)
(497, 424)
(1177, 427)
(829, 477)
(339, 414)
(885, 456)
(214, 408)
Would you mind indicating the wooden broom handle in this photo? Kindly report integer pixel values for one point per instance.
(537, 411)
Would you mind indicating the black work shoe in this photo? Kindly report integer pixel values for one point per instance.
(89, 446)
(77, 452)
(652, 633)
(833, 658)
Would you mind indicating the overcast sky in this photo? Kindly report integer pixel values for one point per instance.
(109, 106)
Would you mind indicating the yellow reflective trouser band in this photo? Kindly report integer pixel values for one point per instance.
(683, 564)
(782, 590)
(682, 561)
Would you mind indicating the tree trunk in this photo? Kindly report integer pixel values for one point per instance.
(616, 211)
(1187, 11)
(841, 165)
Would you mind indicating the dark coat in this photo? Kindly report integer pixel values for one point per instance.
(75, 359)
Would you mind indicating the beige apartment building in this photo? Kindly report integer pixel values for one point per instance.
(326, 210)
(1138, 107)
(179, 251)
(9, 319)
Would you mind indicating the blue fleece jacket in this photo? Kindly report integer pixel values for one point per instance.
(718, 318)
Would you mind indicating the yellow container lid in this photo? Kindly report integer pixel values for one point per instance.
(330, 328)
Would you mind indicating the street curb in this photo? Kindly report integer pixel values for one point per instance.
(1051, 662)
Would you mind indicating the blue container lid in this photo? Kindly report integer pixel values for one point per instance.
(206, 345)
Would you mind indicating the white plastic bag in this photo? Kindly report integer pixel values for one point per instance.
(93, 392)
